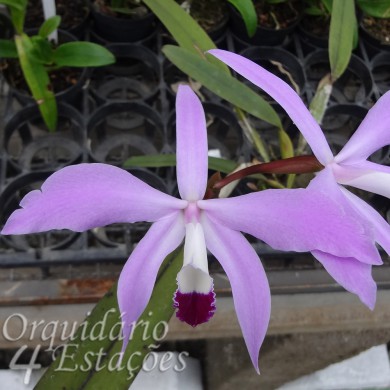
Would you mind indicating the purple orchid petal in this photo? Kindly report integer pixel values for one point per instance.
(372, 134)
(283, 94)
(251, 293)
(84, 196)
(191, 145)
(365, 175)
(139, 274)
(380, 226)
(300, 220)
(350, 273)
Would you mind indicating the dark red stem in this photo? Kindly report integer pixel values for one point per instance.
(299, 164)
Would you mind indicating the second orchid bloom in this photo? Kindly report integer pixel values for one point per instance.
(350, 167)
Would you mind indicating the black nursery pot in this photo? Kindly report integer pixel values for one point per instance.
(354, 86)
(380, 69)
(309, 40)
(120, 130)
(217, 33)
(268, 56)
(134, 76)
(341, 121)
(74, 16)
(30, 147)
(122, 29)
(263, 36)
(372, 43)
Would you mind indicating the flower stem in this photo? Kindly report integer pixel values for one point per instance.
(299, 164)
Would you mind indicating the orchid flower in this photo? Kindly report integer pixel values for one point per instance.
(349, 167)
(85, 196)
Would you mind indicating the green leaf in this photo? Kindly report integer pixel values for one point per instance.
(320, 100)
(38, 81)
(248, 14)
(341, 33)
(314, 11)
(106, 312)
(42, 51)
(49, 26)
(152, 161)
(375, 8)
(82, 54)
(8, 49)
(169, 160)
(184, 28)
(222, 84)
(16, 4)
(328, 4)
(286, 145)
(123, 10)
(143, 340)
(355, 39)
(17, 10)
(222, 165)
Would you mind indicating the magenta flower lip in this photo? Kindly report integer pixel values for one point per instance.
(194, 308)
(86, 196)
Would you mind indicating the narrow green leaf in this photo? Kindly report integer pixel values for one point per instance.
(222, 165)
(286, 145)
(252, 134)
(314, 11)
(123, 10)
(286, 151)
(222, 84)
(65, 371)
(152, 161)
(320, 100)
(328, 4)
(169, 160)
(70, 370)
(341, 33)
(42, 51)
(144, 340)
(184, 28)
(355, 39)
(375, 8)
(38, 81)
(17, 9)
(181, 25)
(82, 54)
(248, 14)
(49, 26)
(8, 49)
(17, 4)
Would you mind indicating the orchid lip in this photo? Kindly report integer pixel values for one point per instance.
(194, 298)
(194, 308)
